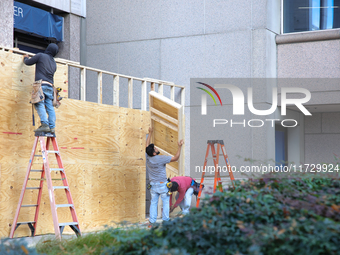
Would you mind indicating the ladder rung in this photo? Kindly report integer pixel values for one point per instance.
(64, 205)
(52, 151)
(29, 205)
(36, 170)
(68, 224)
(32, 187)
(60, 187)
(37, 155)
(44, 179)
(57, 169)
(26, 222)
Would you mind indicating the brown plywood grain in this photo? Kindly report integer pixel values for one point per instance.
(167, 122)
(165, 108)
(102, 148)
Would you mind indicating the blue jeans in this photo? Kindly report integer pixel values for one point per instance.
(46, 107)
(159, 189)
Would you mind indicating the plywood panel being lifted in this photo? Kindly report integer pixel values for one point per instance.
(102, 148)
(167, 122)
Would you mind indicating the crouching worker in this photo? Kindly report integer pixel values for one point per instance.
(44, 71)
(157, 174)
(186, 187)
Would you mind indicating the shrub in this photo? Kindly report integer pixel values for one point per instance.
(260, 216)
(266, 216)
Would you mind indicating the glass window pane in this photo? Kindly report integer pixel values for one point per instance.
(310, 15)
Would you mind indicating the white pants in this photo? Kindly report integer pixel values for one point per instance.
(186, 202)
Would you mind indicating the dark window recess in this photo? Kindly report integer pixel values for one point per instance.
(31, 43)
(310, 15)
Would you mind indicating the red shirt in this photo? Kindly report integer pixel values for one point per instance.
(184, 183)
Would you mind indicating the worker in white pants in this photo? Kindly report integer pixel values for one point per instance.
(183, 185)
(186, 202)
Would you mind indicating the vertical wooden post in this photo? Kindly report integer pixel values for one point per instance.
(152, 86)
(152, 140)
(116, 90)
(172, 93)
(160, 89)
(68, 78)
(183, 96)
(130, 98)
(100, 87)
(143, 99)
(83, 84)
(181, 135)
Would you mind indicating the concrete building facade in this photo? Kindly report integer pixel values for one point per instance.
(179, 40)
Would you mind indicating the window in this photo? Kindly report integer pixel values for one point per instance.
(310, 15)
(35, 28)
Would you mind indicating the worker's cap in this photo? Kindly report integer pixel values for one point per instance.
(150, 149)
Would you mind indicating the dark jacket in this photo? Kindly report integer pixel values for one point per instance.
(45, 63)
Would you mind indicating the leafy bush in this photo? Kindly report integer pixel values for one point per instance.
(263, 216)
(267, 216)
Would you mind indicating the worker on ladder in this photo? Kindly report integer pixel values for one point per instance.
(44, 72)
(157, 174)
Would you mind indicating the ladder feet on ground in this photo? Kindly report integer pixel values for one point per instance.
(73, 226)
(215, 156)
(30, 225)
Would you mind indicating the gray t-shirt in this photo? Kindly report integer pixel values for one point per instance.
(157, 167)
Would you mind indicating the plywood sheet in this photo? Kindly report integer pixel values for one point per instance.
(165, 135)
(132, 153)
(6, 69)
(22, 75)
(102, 148)
(165, 108)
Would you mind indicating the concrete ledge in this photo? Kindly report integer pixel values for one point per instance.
(310, 36)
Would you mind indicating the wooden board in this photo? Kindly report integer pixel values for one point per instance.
(167, 122)
(102, 148)
(18, 76)
(165, 108)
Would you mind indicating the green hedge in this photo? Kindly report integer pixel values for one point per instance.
(266, 216)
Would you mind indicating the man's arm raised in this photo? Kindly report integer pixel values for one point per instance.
(149, 137)
(178, 153)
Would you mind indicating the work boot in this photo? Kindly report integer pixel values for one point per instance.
(52, 130)
(43, 128)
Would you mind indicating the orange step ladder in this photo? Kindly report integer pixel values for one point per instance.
(215, 156)
(46, 171)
